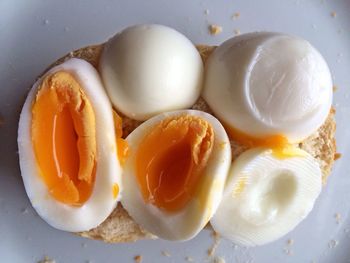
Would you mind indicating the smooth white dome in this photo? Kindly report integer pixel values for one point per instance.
(149, 69)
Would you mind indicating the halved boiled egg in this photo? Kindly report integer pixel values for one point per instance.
(175, 174)
(268, 88)
(268, 192)
(67, 148)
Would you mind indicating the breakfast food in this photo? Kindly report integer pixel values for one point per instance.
(176, 206)
(69, 167)
(149, 69)
(266, 195)
(174, 178)
(269, 86)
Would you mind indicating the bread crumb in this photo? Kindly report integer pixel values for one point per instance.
(206, 11)
(215, 29)
(138, 259)
(166, 253)
(333, 243)
(288, 251)
(236, 15)
(47, 260)
(24, 211)
(212, 249)
(290, 242)
(335, 88)
(337, 156)
(333, 14)
(189, 259)
(219, 260)
(337, 217)
(237, 32)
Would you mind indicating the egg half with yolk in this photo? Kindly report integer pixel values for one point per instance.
(68, 148)
(175, 174)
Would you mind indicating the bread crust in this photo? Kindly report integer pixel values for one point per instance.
(120, 227)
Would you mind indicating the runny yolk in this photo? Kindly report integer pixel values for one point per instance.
(170, 160)
(64, 138)
(271, 141)
(122, 145)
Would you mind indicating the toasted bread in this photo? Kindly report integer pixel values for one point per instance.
(120, 227)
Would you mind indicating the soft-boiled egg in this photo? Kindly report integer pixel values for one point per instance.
(67, 148)
(268, 88)
(268, 192)
(149, 69)
(174, 176)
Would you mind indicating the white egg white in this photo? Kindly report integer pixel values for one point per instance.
(186, 223)
(150, 69)
(269, 83)
(108, 171)
(266, 197)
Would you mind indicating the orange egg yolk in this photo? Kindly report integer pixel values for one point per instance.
(64, 138)
(271, 141)
(122, 145)
(170, 160)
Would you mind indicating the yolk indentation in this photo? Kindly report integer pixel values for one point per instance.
(272, 141)
(64, 138)
(122, 145)
(171, 158)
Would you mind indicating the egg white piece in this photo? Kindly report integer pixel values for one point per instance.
(266, 197)
(108, 170)
(269, 83)
(186, 223)
(149, 69)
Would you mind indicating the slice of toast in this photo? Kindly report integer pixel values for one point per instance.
(120, 227)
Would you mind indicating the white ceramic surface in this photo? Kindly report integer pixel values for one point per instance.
(35, 33)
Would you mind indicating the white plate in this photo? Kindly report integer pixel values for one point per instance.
(35, 33)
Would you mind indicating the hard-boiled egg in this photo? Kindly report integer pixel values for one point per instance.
(175, 173)
(268, 88)
(67, 148)
(268, 192)
(149, 69)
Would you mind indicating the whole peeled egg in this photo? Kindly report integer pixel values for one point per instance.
(268, 88)
(150, 69)
(67, 148)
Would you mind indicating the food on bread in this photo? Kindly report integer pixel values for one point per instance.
(143, 198)
(67, 148)
(267, 194)
(150, 69)
(120, 227)
(175, 175)
(268, 88)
